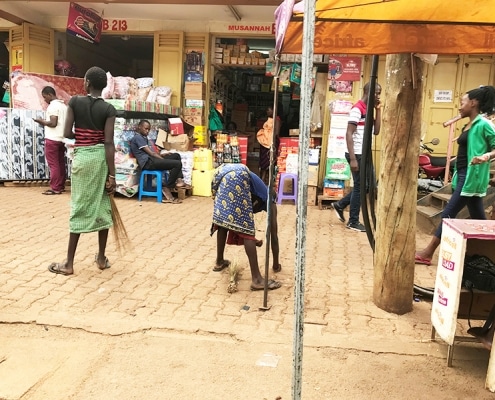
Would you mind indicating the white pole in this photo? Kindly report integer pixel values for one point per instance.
(302, 201)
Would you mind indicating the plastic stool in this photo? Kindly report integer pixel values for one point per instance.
(283, 196)
(149, 190)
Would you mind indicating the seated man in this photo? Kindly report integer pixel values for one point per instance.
(238, 195)
(150, 160)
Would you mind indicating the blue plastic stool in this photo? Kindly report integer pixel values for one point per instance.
(284, 196)
(146, 189)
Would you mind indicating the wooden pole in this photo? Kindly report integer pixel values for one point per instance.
(395, 238)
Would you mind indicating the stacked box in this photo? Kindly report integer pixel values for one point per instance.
(194, 111)
(312, 195)
(333, 188)
(195, 90)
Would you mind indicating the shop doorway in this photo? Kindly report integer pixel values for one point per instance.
(121, 55)
(4, 65)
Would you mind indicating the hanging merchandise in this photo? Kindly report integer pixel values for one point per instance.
(316, 113)
(219, 106)
(295, 75)
(215, 120)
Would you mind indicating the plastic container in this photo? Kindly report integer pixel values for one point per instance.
(203, 159)
(201, 182)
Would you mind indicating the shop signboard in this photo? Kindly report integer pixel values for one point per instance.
(84, 23)
(344, 68)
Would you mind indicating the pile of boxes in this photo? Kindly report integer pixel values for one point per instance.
(236, 54)
(194, 112)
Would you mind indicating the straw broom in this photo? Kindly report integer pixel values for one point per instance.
(119, 232)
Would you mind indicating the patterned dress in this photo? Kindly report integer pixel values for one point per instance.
(238, 195)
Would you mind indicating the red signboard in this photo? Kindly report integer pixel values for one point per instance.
(84, 23)
(344, 68)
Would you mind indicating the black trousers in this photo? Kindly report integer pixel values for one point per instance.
(170, 162)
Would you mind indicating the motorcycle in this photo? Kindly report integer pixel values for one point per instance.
(431, 169)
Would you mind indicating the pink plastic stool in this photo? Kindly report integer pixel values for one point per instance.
(285, 196)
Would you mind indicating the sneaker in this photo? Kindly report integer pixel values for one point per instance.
(338, 211)
(356, 226)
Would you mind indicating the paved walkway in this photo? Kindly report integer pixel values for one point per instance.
(166, 280)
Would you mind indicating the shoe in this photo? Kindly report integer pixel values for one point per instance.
(338, 211)
(356, 226)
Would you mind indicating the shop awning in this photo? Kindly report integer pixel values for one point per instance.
(396, 26)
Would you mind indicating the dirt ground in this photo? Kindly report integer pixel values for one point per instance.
(161, 325)
(155, 364)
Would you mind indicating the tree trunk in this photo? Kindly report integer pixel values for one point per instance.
(397, 188)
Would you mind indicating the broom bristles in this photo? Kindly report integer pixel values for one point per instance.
(122, 241)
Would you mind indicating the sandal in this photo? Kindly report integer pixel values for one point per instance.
(172, 201)
(50, 192)
(222, 266)
(272, 285)
(57, 268)
(107, 263)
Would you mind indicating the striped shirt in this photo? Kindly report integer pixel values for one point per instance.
(90, 116)
(357, 117)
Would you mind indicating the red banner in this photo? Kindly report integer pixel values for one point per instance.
(344, 68)
(84, 23)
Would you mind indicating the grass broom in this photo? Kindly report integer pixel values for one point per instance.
(119, 232)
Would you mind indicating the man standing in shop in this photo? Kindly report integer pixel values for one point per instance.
(54, 136)
(354, 139)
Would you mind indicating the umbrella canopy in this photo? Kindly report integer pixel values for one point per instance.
(396, 26)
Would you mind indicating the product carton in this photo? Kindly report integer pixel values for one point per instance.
(181, 142)
(312, 195)
(195, 90)
(201, 136)
(313, 175)
(194, 120)
(193, 111)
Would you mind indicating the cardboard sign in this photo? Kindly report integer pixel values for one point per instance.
(84, 23)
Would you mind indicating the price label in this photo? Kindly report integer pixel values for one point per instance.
(115, 25)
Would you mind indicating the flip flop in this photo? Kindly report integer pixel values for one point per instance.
(50, 192)
(420, 260)
(107, 263)
(272, 285)
(55, 268)
(218, 268)
(171, 201)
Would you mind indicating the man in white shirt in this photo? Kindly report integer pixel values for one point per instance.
(54, 136)
(354, 139)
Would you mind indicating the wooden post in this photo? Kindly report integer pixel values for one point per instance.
(395, 238)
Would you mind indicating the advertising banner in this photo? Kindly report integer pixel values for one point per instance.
(344, 68)
(84, 23)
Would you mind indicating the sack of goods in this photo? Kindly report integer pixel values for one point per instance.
(479, 273)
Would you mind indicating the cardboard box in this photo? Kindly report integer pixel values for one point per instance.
(195, 90)
(200, 135)
(293, 132)
(314, 156)
(195, 103)
(194, 120)
(313, 175)
(193, 111)
(181, 142)
(312, 195)
(201, 182)
(334, 183)
(332, 192)
(193, 77)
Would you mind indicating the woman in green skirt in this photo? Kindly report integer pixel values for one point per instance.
(93, 169)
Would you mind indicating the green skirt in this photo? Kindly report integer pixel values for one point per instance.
(90, 209)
